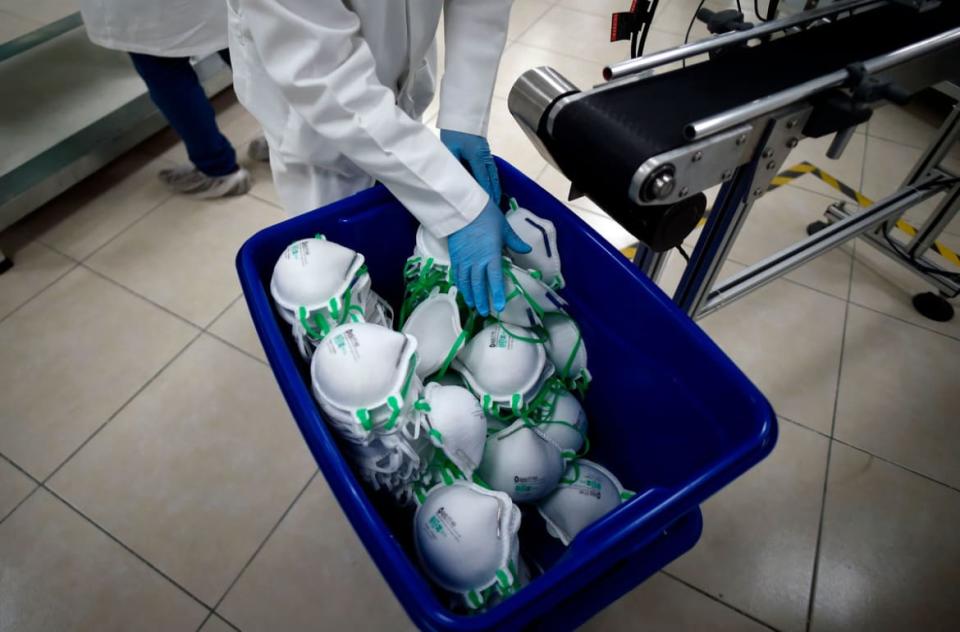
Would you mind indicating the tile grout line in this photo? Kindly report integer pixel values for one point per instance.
(124, 546)
(716, 599)
(879, 457)
(262, 544)
(833, 426)
(236, 348)
(122, 407)
(144, 298)
(36, 485)
(905, 321)
(74, 266)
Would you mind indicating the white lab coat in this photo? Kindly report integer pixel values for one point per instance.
(339, 86)
(164, 28)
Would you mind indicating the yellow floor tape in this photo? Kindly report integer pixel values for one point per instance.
(802, 169)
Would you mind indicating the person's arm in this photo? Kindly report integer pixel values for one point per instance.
(474, 33)
(315, 53)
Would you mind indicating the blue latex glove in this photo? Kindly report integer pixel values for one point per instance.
(475, 255)
(474, 152)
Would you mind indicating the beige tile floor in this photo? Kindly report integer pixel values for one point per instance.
(151, 477)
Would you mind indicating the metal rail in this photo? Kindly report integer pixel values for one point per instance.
(647, 62)
(766, 105)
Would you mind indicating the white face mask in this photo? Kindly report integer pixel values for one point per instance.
(456, 424)
(435, 323)
(366, 371)
(542, 236)
(504, 367)
(561, 417)
(429, 247)
(567, 352)
(518, 307)
(543, 299)
(313, 276)
(466, 539)
(522, 462)
(587, 493)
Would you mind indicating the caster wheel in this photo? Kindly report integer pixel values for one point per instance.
(933, 306)
(816, 227)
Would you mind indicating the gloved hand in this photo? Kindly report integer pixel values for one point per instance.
(475, 256)
(475, 152)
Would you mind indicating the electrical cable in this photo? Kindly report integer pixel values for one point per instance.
(756, 10)
(686, 38)
(683, 253)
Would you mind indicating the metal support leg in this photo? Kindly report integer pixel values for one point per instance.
(650, 263)
(723, 224)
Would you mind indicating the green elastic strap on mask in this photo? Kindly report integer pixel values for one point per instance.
(494, 410)
(576, 475)
(318, 318)
(422, 406)
(477, 480)
(457, 345)
(513, 204)
(474, 600)
(535, 306)
(436, 435)
(320, 236)
(516, 404)
(537, 341)
(447, 477)
(335, 308)
(504, 581)
(536, 274)
(395, 410)
(365, 422)
(419, 494)
(627, 495)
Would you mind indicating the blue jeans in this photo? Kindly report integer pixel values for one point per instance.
(175, 89)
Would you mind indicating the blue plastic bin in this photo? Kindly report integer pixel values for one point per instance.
(669, 414)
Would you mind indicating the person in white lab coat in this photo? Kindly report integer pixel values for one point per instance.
(161, 36)
(339, 87)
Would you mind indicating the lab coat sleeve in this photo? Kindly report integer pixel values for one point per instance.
(475, 32)
(315, 53)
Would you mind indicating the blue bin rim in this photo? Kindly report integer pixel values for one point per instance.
(595, 549)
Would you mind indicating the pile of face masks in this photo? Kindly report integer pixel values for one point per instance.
(464, 417)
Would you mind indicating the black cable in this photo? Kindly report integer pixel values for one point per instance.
(686, 38)
(952, 276)
(683, 253)
(756, 10)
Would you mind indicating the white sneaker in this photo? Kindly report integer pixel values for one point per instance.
(191, 181)
(259, 150)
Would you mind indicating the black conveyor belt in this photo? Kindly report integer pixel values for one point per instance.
(600, 139)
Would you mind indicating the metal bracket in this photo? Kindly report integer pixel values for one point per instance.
(695, 167)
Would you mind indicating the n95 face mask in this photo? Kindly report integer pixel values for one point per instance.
(456, 424)
(503, 367)
(541, 235)
(377, 311)
(522, 462)
(544, 299)
(313, 280)
(364, 370)
(465, 537)
(560, 417)
(435, 323)
(587, 493)
(519, 309)
(565, 347)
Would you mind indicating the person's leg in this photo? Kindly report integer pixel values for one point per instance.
(175, 89)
